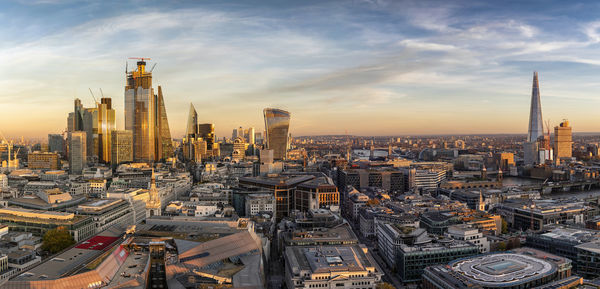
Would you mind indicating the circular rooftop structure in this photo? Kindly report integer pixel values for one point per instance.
(505, 270)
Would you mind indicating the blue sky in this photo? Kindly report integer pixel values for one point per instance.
(365, 67)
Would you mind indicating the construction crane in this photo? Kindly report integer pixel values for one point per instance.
(140, 58)
(95, 101)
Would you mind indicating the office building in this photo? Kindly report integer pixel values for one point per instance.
(277, 124)
(563, 241)
(77, 152)
(318, 193)
(282, 187)
(207, 132)
(106, 125)
(470, 234)
(343, 267)
(43, 160)
(563, 141)
(239, 149)
(163, 141)
(535, 129)
(121, 147)
(538, 215)
(38, 222)
(146, 117)
(251, 138)
(56, 143)
(411, 260)
(520, 268)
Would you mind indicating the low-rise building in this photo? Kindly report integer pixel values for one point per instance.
(346, 267)
(520, 268)
(470, 234)
(38, 222)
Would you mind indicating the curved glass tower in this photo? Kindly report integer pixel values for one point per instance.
(277, 125)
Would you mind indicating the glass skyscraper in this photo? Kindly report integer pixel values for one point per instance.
(277, 125)
(146, 117)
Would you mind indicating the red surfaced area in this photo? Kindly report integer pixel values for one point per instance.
(97, 243)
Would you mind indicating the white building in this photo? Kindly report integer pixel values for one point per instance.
(340, 267)
(467, 233)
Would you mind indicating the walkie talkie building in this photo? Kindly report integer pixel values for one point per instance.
(277, 126)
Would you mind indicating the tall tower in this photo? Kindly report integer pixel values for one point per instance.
(146, 116)
(140, 112)
(535, 129)
(106, 124)
(163, 142)
(77, 152)
(277, 125)
(563, 141)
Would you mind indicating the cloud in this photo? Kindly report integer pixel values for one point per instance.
(234, 58)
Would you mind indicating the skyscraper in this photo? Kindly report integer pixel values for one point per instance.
(251, 139)
(277, 124)
(563, 141)
(190, 135)
(164, 144)
(535, 129)
(106, 124)
(146, 117)
(77, 152)
(56, 143)
(140, 112)
(207, 132)
(121, 147)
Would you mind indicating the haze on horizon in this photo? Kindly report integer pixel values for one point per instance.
(362, 67)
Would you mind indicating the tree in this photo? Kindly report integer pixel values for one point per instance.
(502, 246)
(504, 226)
(385, 285)
(56, 240)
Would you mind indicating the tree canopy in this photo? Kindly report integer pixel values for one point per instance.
(56, 240)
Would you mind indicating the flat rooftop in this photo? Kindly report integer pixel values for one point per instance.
(325, 259)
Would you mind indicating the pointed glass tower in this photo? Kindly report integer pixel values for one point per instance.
(536, 128)
(164, 145)
(192, 121)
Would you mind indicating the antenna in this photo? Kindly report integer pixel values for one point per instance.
(93, 95)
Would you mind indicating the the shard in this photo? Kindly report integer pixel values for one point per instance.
(531, 152)
(536, 128)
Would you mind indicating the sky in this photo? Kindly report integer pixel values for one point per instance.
(363, 67)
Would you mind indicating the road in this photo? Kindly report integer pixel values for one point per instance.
(389, 277)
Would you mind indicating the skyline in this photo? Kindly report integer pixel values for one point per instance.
(368, 68)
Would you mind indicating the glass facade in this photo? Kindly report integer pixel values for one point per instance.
(277, 124)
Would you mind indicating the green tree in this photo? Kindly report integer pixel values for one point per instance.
(504, 226)
(501, 246)
(56, 240)
(385, 285)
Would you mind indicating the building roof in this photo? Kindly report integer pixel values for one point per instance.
(504, 269)
(219, 249)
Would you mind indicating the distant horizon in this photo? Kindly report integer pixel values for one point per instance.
(365, 67)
